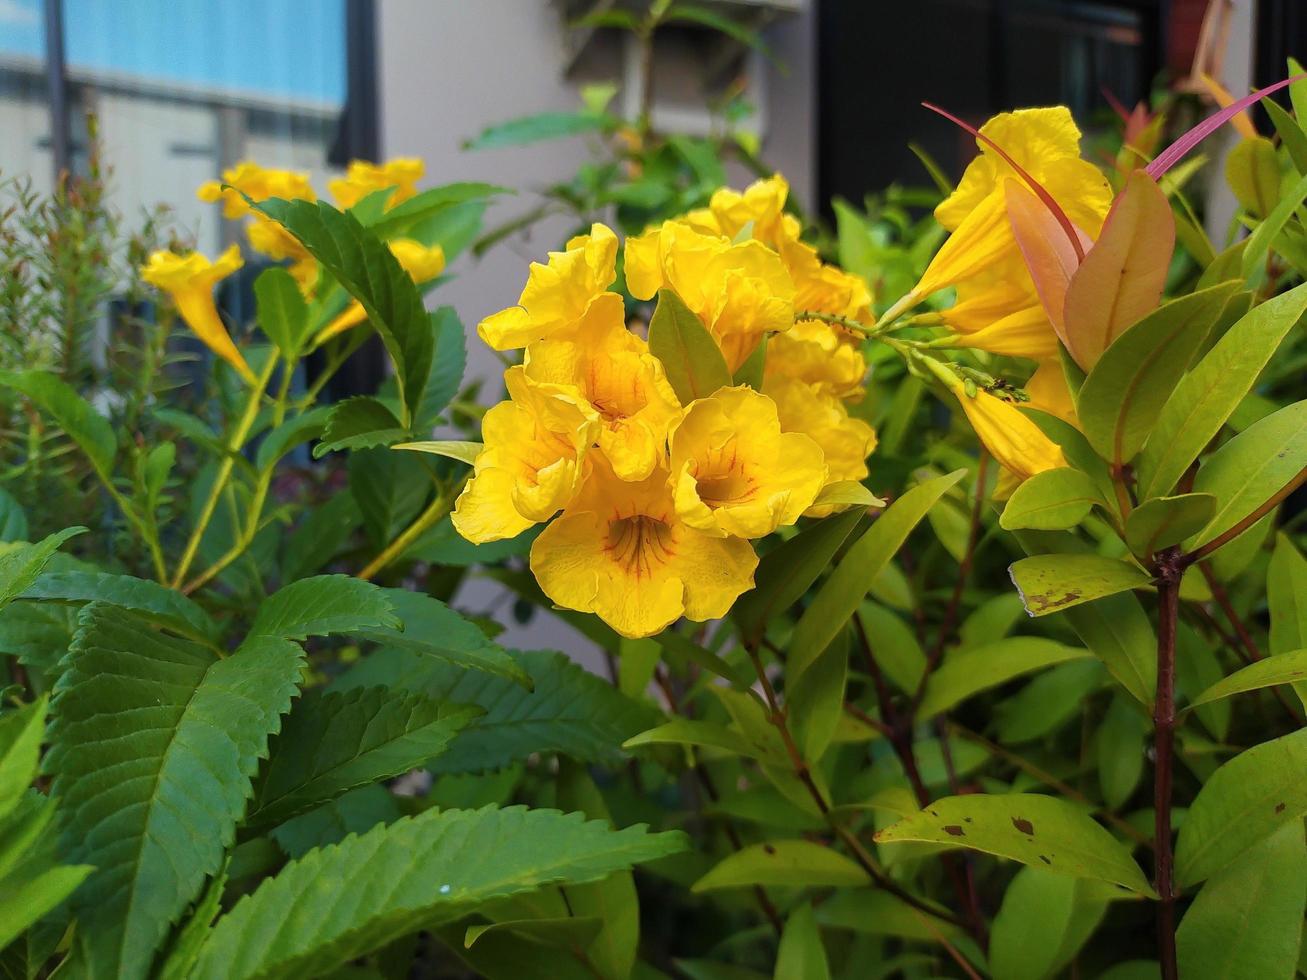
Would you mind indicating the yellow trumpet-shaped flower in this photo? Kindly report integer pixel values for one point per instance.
(533, 462)
(271, 239)
(259, 183)
(619, 379)
(819, 354)
(364, 178)
(1011, 437)
(845, 442)
(739, 290)
(189, 281)
(761, 204)
(824, 288)
(557, 294)
(422, 262)
(622, 552)
(734, 472)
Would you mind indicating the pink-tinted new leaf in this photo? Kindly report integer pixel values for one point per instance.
(1048, 255)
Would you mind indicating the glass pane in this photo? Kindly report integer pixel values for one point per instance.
(24, 99)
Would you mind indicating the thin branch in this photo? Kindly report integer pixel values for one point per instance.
(1230, 533)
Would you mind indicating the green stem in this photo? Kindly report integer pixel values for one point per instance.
(429, 518)
(234, 444)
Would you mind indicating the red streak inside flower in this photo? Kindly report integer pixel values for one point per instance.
(1034, 185)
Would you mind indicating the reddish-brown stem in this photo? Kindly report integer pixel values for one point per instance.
(1232, 532)
(1170, 568)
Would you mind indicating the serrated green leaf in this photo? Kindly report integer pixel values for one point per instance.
(690, 356)
(848, 584)
(1208, 394)
(21, 734)
(319, 537)
(359, 423)
(1252, 468)
(150, 600)
(84, 425)
(570, 710)
(1052, 583)
(403, 217)
(356, 812)
(390, 489)
(364, 265)
(281, 310)
(1165, 521)
(1040, 831)
(1245, 801)
(333, 742)
(288, 435)
(323, 605)
(446, 370)
(1247, 920)
(968, 672)
(799, 863)
(1123, 394)
(358, 895)
(1050, 501)
(22, 564)
(153, 743)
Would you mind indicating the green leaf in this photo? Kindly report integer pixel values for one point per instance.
(798, 863)
(848, 584)
(1252, 468)
(84, 425)
(356, 896)
(364, 265)
(707, 734)
(21, 734)
(786, 572)
(542, 126)
(403, 217)
(1052, 583)
(464, 452)
(22, 564)
(873, 912)
(331, 743)
(281, 310)
(751, 371)
(1286, 596)
(1125, 391)
(1042, 923)
(816, 699)
(1252, 170)
(1245, 801)
(1040, 831)
(356, 812)
(1121, 747)
(446, 370)
(285, 437)
(968, 672)
(150, 600)
(1283, 668)
(1292, 136)
(1052, 500)
(153, 744)
(25, 900)
(801, 953)
(323, 605)
(569, 710)
(847, 493)
(563, 933)
(1165, 521)
(390, 489)
(1207, 395)
(319, 537)
(13, 519)
(706, 17)
(432, 629)
(691, 358)
(1261, 241)
(361, 422)
(1247, 920)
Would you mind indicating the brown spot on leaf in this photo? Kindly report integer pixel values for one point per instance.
(1279, 808)
(954, 830)
(1045, 859)
(1024, 825)
(1045, 601)
(769, 849)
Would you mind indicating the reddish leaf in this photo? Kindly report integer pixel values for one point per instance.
(1121, 278)
(1048, 254)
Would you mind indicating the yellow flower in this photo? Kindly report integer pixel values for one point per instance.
(1048, 391)
(556, 295)
(740, 291)
(762, 203)
(271, 239)
(625, 386)
(364, 178)
(1016, 442)
(820, 354)
(620, 551)
(422, 262)
(259, 183)
(1046, 144)
(825, 288)
(189, 281)
(532, 464)
(845, 442)
(734, 472)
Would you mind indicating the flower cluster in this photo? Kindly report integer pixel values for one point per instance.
(190, 279)
(653, 497)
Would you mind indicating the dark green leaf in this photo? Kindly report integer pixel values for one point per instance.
(322, 605)
(282, 312)
(84, 425)
(798, 863)
(13, 519)
(22, 564)
(446, 370)
(359, 423)
(21, 734)
(288, 435)
(150, 600)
